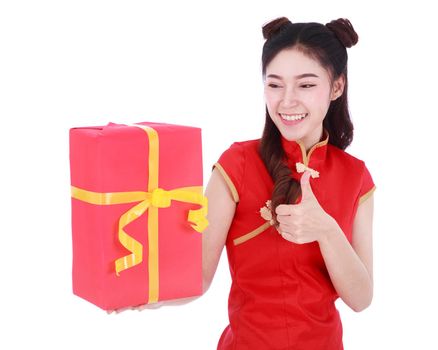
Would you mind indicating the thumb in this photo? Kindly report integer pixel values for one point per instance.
(306, 189)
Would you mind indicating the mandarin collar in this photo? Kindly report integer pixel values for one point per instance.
(296, 151)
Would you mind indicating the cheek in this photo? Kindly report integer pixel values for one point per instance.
(271, 97)
(272, 101)
(319, 100)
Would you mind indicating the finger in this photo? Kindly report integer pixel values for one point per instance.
(295, 212)
(285, 229)
(305, 178)
(288, 236)
(290, 228)
(282, 231)
(156, 305)
(282, 218)
(122, 309)
(283, 209)
(306, 188)
(141, 307)
(150, 306)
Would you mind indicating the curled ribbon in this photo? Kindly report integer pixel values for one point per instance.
(301, 168)
(151, 200)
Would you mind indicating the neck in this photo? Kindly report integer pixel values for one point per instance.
(315, 136)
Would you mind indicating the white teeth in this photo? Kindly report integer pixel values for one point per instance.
(293, 117)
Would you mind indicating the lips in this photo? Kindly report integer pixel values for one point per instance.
(293, 117)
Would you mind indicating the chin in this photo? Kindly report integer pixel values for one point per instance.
(292, 133)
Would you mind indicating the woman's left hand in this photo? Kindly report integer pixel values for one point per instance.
(306, 221)
(138, 307)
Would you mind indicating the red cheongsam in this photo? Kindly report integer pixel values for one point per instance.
(281, 295)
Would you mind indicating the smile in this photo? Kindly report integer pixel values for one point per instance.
(293, 116)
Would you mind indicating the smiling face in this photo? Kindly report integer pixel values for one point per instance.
(298, 92)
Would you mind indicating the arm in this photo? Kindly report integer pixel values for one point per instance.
(221, 208)
(351, 266)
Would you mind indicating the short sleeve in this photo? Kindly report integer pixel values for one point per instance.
(231, 166)
(368, 187)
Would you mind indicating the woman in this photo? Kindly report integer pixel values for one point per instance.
(293, 209)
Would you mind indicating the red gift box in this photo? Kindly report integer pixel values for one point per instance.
(137, 213)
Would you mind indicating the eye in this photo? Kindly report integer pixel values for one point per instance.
(307, 86)
(273, 85)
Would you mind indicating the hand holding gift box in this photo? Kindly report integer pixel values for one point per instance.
(132, 187)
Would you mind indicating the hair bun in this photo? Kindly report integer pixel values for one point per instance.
(344, 31)
(273, 27)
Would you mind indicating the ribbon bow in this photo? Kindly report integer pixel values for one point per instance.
(301, 168)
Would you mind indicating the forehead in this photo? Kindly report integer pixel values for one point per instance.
(290, 63)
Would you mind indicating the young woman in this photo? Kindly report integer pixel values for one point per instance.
(293, 209)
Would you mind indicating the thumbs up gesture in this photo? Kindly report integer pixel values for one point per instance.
(306, 221)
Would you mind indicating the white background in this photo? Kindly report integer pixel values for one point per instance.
(81, 63)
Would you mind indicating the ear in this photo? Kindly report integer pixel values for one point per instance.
(338, 87)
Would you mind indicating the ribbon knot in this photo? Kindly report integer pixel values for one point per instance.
(160, 198)
(301, 168)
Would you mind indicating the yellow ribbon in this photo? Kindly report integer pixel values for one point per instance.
(151, 200)
(301, 168)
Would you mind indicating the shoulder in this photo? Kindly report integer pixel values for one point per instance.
(344, 158)
(247, 144)
(242, 149)
(237, 154)
(232, 164)
(354, 169)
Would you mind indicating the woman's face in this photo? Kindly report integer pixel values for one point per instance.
(299, 87)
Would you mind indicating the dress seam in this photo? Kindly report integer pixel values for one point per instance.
(235, 334)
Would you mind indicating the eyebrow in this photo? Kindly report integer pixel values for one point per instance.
(305, 75)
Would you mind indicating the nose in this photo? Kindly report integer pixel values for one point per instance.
(289, 97)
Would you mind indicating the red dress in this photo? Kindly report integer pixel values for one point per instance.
(281, 295)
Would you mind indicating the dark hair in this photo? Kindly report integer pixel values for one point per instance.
(327, 44)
